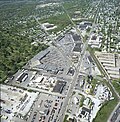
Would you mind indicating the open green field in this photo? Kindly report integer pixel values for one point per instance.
(107, 108)
(105, 111)
(65, 119)
(60, 20)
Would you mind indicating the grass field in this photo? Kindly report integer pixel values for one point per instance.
(107, 108)
(65, 119)
(61, 21)
(105, 111)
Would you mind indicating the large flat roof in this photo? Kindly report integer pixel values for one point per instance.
(76, 37)
(90, 59)
(22, 77)
(59, 86)
(77, 47)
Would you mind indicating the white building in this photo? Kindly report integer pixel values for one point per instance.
(95, 41)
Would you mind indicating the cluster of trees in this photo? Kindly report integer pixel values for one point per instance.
(15, 46)
(15, 51)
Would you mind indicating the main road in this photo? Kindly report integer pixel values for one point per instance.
(77, 68)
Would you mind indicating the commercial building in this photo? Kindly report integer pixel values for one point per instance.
(59, 86)
(110, 62)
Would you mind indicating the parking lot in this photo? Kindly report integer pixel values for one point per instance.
(15, 102)
(67, 43)
(46, 108)
(49, 60)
